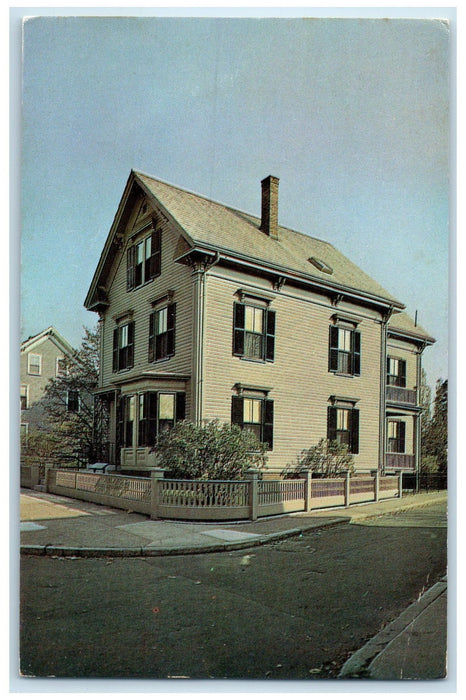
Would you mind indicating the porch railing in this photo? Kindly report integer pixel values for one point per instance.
(398, 460)
(398, 394)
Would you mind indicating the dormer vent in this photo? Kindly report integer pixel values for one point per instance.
(269, 213)
(321, 265)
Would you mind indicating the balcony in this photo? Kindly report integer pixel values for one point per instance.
(400, 395)
(397, 460)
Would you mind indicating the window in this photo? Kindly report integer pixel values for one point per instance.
(34, 364)
(24, 397)
(60, 367)
(344, 351)
(396, 432)
(343, 427)
(126, 420)
(24, 434)
(254, 332)
(73, 403)
(123, 347)
(162, 333)
(255, 415)
(143, 260)
(157, 411)
(396, 372)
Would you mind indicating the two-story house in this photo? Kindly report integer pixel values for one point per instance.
(41, 359)
(207, 313)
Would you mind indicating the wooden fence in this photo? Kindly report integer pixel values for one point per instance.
(253, 498)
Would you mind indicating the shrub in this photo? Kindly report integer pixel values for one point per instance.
(328, 458)
(209, 451)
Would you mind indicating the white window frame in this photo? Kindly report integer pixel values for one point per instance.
(25, 394)
(34, 355)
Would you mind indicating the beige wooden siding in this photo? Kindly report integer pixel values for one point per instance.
(299, 378)
(173, 277)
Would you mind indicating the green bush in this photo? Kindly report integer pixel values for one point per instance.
(328, 458)
(209, 451)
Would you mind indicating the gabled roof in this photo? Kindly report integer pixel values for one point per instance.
(400, 324)
(49, 333)
(236, 236)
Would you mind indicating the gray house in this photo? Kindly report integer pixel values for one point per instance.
(208, 312)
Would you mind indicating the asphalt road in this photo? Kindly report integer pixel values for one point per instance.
(290, 610)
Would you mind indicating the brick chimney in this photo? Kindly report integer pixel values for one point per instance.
(269, 214)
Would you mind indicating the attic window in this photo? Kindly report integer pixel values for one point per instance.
(321, 265)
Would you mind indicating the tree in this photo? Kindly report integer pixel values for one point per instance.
(68, 401)
(209, 451)
(434, 456)
(328, 458)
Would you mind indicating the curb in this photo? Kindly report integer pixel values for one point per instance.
(358, 664)
(401, 509)
(120, 552)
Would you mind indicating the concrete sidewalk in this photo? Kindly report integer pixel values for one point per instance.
(56, 525)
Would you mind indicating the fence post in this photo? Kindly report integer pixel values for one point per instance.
(47, 467)
(376, 475)
(34, 475)
(347, 487)
(306, 474)
(253, 492)
(400, 485)
(155, 476)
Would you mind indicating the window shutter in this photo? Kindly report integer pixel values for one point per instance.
(333, 349)
(180, 406)
(332, 423)
(156, 254)
(237, 414)
(267, 423)
(388, 370)
(151, 413)
(130, 264)
(354, 431)
(402, 366)
(356, 340)
(270, 335)
(238, 329)
(151, 356)
(130, 348)
(119, 426)
(401, 436)
(115, 349)
(171, 318)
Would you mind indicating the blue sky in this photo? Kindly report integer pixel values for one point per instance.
(351, 114)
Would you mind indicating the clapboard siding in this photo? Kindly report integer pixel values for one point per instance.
(173, 277)
(299, 378)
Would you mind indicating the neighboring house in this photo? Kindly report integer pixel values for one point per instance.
(208, 312)
(41, 360)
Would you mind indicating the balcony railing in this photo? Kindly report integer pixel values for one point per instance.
(396, 460)
(398, 394)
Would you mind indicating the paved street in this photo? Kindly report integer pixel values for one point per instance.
(294, 609)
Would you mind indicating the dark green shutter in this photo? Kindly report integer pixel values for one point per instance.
(151, 418)
(130, 348)
(333, 349)
(401, 436)
(270, 335)
(115, 349)
(130, 264)
(332, 423)
(388, 370)
(142, 422)
(171, 318)
(151, 356)
(238, 329)
(180, 406)
(354, 418)
(267, 423)
(237, 414)
(156, 254)
(119, 438)
(356, 342)
(402, 366)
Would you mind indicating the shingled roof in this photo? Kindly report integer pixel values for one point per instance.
(237, 236)
(402, 324)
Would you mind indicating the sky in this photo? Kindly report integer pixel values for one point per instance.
(352, 115)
